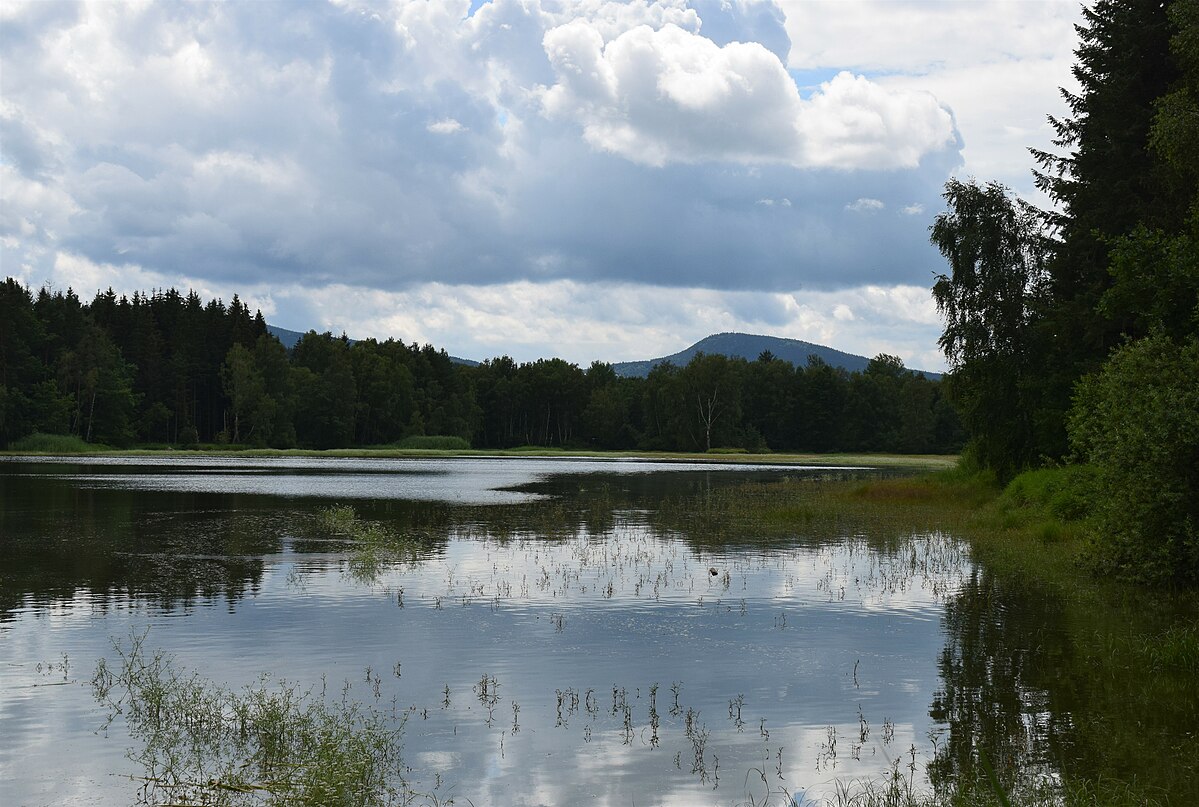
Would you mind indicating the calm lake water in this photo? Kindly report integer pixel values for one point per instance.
(555, 642)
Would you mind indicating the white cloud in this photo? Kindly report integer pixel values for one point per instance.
(997, 64)
(865, 205)
(617, 146)
(630, 321)
(445, 126)
(670, 95)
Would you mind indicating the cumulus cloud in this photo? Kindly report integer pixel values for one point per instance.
(998, 65)
(671, 95)
(394, 146)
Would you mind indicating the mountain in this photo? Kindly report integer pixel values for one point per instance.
(290, 338)
(749, 346)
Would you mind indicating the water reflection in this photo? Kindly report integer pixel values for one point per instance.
(1055, 693)
(599, 637)
(570, 648)
(172, 532)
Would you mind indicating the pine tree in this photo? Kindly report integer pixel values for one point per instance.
(1106, 183)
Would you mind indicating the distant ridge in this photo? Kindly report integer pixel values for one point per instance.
(749, 346)
(290, 338)
(746, 346)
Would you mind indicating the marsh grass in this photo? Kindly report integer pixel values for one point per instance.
(271, 743)
(1122, 659)
(824, 509)
(373, 547)
(39, 443)
(1175, 649)
(435, 442)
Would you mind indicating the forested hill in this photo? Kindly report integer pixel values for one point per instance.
(289, 339)
(750, 346)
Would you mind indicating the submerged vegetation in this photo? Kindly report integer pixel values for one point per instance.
(372, 545)
(1114, 672)
(272, 743)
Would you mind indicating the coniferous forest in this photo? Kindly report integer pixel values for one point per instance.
(1073, 333)
(169, 368)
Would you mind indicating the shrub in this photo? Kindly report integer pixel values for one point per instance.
(1067, 493)
(1137, 423)
(440, 442)
(38, 443)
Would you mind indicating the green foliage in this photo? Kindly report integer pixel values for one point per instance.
(272, 743)
(169, 369)
(373, 547)
(1068, 493)
(1137, 423)
(438, 442)
(1155, 281)
(38, 443)
(711, 396)
(996, 250)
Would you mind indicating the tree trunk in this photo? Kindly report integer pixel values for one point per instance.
(91, 416)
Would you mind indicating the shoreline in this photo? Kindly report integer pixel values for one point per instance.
(914, 461)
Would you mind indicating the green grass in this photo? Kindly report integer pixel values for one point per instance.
(38, 443)
(271, 743)
(434, 441)
(373, 547)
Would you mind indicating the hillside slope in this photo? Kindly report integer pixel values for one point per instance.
(750, 346)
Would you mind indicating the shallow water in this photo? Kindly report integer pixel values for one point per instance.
(551, 644)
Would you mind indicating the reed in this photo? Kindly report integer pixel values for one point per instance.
(271, 743)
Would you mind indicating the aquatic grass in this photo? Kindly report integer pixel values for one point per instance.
(271, 743)
(1176, 649)
(437, 442)
(40, 443)
(1120, 662)
(373, 547)
(896, 787)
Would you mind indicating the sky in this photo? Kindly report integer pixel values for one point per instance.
(585, 179)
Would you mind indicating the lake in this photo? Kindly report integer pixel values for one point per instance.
(552, 635)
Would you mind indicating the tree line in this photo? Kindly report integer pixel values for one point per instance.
(169, 368)
(1073, 333)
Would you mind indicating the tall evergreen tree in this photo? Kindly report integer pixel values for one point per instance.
(1106, 182)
